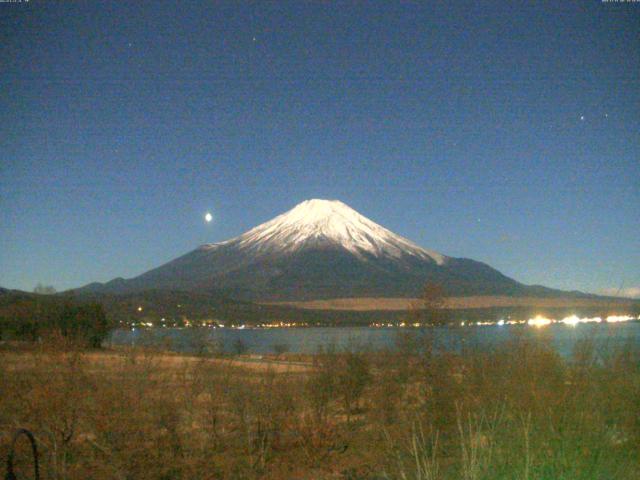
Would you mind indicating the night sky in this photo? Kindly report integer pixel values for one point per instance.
(500, 131)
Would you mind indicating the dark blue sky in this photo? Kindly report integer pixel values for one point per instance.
(503, 132)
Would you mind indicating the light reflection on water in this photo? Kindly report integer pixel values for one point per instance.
(312, 339)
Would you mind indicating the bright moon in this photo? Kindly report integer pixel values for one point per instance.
(208, 217)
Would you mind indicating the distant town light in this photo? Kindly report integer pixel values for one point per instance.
(539, 321)
(573, 320)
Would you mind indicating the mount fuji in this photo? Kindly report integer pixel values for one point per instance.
(320, 249)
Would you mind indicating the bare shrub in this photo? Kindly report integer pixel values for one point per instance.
(517, 411)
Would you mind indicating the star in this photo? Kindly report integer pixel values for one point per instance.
(582, 118)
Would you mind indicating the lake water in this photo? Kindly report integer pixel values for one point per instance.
(312, 339)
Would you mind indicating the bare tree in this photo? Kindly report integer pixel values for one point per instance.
(44, 289)
(432, 305)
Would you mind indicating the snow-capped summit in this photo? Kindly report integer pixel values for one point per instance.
(318, 249)
(319, 222)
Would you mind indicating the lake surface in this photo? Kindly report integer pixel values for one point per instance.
(312, 339)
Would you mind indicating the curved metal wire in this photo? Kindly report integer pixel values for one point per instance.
(10, 475)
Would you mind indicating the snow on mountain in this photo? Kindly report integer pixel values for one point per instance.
(319, 249)
(327, 222)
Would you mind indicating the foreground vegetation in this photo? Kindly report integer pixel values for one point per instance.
(519, 412)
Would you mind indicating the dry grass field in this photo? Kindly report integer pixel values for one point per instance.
(397, 304)
(416, 412)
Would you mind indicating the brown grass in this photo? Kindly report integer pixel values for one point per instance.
(97, 360)
(416, 412)
(398, 304)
